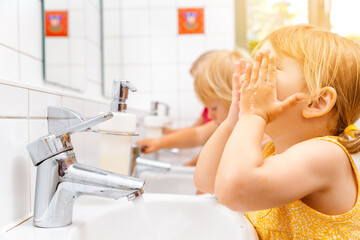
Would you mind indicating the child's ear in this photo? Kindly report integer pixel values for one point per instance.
(322, 105)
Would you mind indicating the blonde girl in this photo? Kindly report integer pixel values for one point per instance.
(304, 92)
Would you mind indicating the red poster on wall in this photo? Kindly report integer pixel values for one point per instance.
(191, 20)
(56, 23)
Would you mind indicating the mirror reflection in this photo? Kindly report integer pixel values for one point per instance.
(72, 42)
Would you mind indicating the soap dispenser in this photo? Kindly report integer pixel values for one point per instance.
(155, 122)
(115, 143)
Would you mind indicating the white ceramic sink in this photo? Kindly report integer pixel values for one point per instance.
(179, 180)
(172, 217)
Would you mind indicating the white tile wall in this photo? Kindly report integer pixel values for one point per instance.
(93, 62)
(9, 62)
(13, 101)
(191, 3)
(112, 51)
(162, 3)
(140, 100)
(190, 47)
(76, 20)
(111, 19)
(15, 187)
(57, 51)
(168, 53)
(39, 101)
(57, 4)
(139, 75)
(77, 72)
(220, 42)
(186, 81)
(76, 51)
(74, 104)
(164, 78)
(92, 15)
(130, 22)
(190, 105)
(135, 4)
(213, 25)
(136, 50)
(9, 24)
(111, 4)
(29, 32)
(163, 21)
(30, 70)
(76, 4)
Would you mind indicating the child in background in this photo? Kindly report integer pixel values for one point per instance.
(303, 185)
(203, 118)
(213, 85)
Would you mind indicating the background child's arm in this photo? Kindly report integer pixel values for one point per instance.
(184, 138)
(209, 158)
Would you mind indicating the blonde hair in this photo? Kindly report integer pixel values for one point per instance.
(198, 61)
(213, 77)
(329, 60)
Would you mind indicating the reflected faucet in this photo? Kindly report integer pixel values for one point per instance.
(61, 179)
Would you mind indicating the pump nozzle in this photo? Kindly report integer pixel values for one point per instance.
(120, 93)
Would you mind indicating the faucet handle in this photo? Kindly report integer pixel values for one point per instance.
(86, 125)
(53, 144)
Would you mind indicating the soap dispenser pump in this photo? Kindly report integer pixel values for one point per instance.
(115, 146)
(120, 94)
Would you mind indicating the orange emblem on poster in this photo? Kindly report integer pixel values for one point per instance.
(191, 20)
(56, 24)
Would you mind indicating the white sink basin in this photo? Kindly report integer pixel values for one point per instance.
(175, 217)
(179, 180)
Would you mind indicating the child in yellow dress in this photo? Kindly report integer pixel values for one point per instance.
(303, 90)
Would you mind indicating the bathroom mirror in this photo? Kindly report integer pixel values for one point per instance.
(111, 44)
(72, 42)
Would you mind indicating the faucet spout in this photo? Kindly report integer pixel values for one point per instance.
(104, 183)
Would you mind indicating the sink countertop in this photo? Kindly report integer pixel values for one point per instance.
(85, 208)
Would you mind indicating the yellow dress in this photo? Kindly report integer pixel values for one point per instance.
(298, 221)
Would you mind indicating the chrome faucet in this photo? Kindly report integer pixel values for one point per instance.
(61, 179)
(139, 164)
(155, 107)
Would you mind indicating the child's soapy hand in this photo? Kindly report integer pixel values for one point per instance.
(258, 91)
(239, 70)
(149, 145)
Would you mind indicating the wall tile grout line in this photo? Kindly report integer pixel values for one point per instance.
(29, 160)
